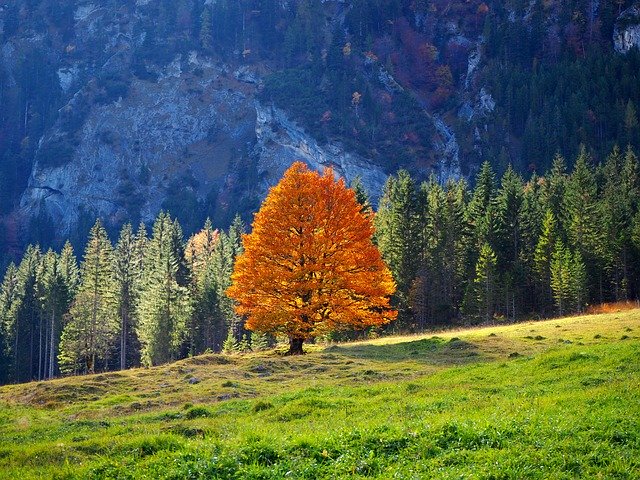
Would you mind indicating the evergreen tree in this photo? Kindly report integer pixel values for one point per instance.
(397, 235)
(164, 306)
(206, 321)
(509, 204)
(561, 277)
(531, 215)
(583, 219)
(55, 297)
(542, 259)
(259, 341)
(127, 270)
(481, 213)
(361, 194)
(577, 282)
(92, 326)
(619, 203)
(481, 301)
(554, 191)
(23, 320)
(206, 38)
(230, 344)
(9, 299)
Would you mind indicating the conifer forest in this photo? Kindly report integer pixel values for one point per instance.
(506, 249)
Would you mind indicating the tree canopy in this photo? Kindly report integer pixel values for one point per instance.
(309, 266)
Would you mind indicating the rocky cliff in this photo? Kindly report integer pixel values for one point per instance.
(120, 109)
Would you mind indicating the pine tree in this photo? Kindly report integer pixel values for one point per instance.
(244, 345)
(206, 319)
(230, 344)
(561, 277)
(509, 204)
(165, 305)
(127, 271)
(361, 194)
(480, 300)
(583, 219)
(9, 300)
(92, 326)
(577, 282)
(259, 341)
(55, 298)
(542, 259)
(397, 232)
(23, 320)
(531, 218)
(206, 38)
(68, 268)
(481, 213)
(554, 191)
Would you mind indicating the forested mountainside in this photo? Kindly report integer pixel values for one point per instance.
(120, 108)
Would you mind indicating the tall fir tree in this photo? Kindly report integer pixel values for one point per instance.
(481, 301)
(127, 271)
(542, 259)
(55, 295)
(583, 220)
(509, 204)
(165, 305)
(9, 300)
(90, 333)
(397, 235)
(23, 322)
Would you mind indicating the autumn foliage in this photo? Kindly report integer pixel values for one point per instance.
(309, 266)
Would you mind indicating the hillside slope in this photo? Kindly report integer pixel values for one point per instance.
(558, 398)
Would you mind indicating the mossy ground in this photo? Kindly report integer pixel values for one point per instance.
(549, 399)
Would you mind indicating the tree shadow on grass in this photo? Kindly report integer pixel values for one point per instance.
(434, 350)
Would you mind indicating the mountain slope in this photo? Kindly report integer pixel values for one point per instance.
(120, 109)
(555, 398)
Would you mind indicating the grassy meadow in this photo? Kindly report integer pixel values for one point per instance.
(550, 399)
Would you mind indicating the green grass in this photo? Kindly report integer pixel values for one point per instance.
(552, 399)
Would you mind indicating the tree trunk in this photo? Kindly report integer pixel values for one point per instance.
(52, 338)
(295, 346)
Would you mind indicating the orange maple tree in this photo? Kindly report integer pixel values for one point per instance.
(309, 266)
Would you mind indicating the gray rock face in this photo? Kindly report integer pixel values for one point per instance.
(626, 34)
(131, 152)
(280, 142)
(191, 130)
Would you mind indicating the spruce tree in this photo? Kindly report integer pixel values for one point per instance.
(206, 321)
(259, 341)
(577, 282)
(480, 299)
(554, 191)
(23, 320)
(230, 345)
(164, 306)
(509, 204)
(91, 328)
(542, 259)
(397, 230)
(55, 297)
(206, 38)
(481, 213)
(127, 270)
(9, 300)
(561, 277)
(583, 219)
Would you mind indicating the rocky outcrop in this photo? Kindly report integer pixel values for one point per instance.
(626, 34)
(192, 130)
(280, 142)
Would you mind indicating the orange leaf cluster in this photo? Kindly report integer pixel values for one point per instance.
(309, 265)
